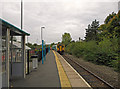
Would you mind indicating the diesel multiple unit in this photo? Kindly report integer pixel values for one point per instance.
(60, 48)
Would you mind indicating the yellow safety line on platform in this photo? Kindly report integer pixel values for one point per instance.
(62, 75)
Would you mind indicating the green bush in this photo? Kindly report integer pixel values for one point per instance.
(78, 49)
(90, 50)
(107, 52)
(69, 48)
(103, 53)
(115, 63)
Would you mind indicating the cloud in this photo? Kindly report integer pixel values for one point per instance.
(58, 16)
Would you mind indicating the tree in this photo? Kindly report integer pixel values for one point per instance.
(52, 44)
(30, 45)
(35, 44)
(91, 31)
(58, 42)
(66, 38)
(108, 18)
(111, 26)
(79, 39)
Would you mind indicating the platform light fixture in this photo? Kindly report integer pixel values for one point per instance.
(42, 33)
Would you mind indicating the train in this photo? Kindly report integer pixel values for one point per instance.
(60, 48)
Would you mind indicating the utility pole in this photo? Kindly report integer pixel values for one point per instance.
(118, 6)
(21, 14)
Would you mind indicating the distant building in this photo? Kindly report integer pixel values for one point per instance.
(118, 5)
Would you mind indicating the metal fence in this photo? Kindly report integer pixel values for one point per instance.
(32, 52)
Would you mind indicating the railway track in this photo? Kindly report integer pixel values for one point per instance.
(95, 81)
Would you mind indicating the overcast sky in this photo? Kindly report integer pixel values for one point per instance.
(57, 16)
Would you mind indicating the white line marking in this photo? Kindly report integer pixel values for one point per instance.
(77, 73)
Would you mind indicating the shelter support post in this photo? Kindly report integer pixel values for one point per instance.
(11, 55)
(23, 55)
(7, 57)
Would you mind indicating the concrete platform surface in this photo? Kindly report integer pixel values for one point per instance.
(55, 72)
(46, 75)
(75, 79)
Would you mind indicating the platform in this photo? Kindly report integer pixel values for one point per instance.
(45, 75)
(55, 72)
(74, 79)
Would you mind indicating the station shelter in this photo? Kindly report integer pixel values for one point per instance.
(13, 57)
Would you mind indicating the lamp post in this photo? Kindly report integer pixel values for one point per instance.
(42, 43)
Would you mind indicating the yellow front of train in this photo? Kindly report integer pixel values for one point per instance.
(60, 48)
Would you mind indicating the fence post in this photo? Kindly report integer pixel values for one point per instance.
(28, 56)
(49, 48)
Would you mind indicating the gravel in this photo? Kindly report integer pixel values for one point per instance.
(106, 73)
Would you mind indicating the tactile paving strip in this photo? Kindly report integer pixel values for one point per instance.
(63, 77)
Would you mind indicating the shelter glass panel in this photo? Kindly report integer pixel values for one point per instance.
(16, 49)
(4, 52)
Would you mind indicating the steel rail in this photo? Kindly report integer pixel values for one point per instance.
(109, 85)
